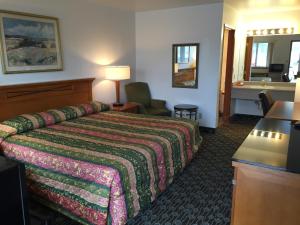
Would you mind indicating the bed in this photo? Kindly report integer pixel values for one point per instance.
(86, 162)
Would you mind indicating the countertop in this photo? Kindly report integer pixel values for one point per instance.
(268, 86)
(268, 145)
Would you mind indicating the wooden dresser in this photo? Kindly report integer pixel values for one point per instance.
(267, 180)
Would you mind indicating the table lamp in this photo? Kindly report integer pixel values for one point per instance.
(117, 73)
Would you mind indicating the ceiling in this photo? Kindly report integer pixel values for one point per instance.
(144, 5)
(243, 5)
(147, 5)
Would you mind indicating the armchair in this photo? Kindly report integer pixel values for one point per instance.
(139, 93)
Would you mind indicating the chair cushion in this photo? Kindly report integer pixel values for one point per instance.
(158, 111)
(138, 92)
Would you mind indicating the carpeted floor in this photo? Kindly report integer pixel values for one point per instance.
(201, 195)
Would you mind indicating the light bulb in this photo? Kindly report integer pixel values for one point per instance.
(289, 30)
(265, 32)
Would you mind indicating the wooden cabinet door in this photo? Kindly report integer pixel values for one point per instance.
(265, 197)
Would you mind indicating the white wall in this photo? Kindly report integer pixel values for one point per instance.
(233, 19)
(273, 19)
(156, 31)
(92, 35)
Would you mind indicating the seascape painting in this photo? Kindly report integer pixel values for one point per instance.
(30, 43)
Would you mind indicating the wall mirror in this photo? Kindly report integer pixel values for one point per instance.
(273, 58)
(185, 65)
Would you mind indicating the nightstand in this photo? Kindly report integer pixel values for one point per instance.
(128, 107)
(13, 204)
(186, 111)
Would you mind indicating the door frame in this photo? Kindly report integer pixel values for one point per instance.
(291, 46)
(248, 58)
(229, 72)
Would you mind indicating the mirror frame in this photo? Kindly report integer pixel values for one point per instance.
(197, 45)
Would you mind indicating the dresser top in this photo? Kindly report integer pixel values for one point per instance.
(267, 146)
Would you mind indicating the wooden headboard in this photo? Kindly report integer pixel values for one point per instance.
(37, 97)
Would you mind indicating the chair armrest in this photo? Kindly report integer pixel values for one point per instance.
(156, 103)
(142, 109)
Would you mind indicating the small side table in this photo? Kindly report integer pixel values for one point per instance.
(190, 110)
(128, 107)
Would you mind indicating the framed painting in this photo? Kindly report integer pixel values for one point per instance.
(29, 43)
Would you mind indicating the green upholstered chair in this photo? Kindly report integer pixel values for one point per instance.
(139, 93)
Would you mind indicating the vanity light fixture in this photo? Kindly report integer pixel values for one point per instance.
(273, 31)
(290, 31)
(265, 32)
(281, 31)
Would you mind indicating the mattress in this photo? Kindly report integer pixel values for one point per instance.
(97, 166)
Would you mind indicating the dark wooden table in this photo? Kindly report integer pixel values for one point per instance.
(128, 107)
(266, 145)
(266, 181)
(284, 110)
(190, 109)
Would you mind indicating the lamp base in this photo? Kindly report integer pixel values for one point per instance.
(117, 104)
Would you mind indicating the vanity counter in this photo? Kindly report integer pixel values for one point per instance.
(245, 100)
(266, 87)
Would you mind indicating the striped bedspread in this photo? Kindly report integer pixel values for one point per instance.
(103, 168)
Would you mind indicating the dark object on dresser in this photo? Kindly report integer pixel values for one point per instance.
(266, 101)
(13, 195)
(293, 159)
(139, 92)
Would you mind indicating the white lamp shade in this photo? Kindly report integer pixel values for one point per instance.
(297, 93)
(117, 72)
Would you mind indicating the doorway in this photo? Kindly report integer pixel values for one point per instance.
(226, 75)
(294, 65)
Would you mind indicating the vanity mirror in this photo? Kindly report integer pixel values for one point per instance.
(185, 65)
(272, 58)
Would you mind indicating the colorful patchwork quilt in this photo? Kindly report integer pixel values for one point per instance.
(97, 166)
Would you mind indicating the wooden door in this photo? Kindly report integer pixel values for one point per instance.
(229, 52)
(248, 58)
(265, 197)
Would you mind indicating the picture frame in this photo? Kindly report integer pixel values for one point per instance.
(185, 65)
(29, 43)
